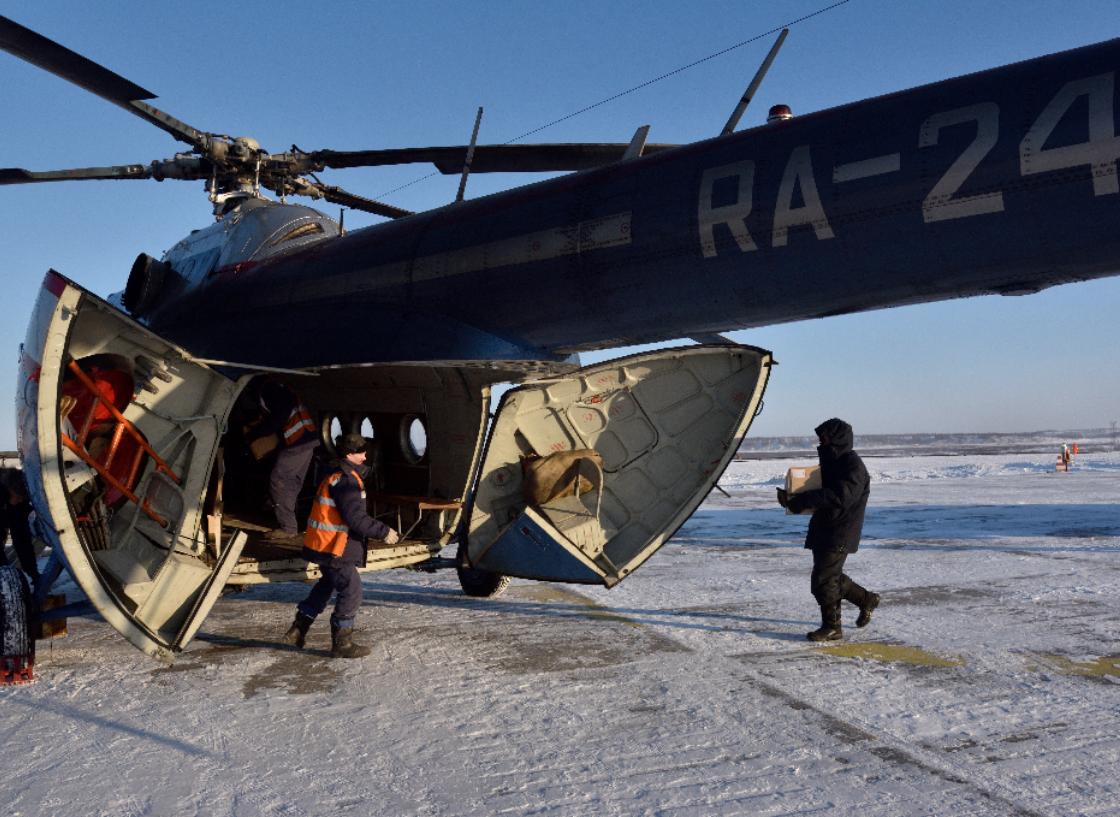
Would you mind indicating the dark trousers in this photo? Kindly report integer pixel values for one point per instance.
(286, 481)
(829, 585)
(341, 576)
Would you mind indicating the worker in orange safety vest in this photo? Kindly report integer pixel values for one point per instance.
(336, 540)
(290, 420)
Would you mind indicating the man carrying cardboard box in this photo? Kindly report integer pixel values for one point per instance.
(835, 527)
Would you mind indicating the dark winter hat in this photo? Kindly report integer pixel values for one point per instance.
(833, 427)
(11, 479)
(838, 432)
(350, 444)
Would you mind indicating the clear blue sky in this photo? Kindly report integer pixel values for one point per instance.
(393, 74)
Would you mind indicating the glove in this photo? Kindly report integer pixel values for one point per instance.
(391, 538)
(783, 498)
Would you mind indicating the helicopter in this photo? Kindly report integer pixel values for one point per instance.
(127, 407)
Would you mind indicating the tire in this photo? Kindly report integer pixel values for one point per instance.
(15, 613)
(476, 582)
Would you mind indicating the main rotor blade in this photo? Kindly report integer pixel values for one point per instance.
(339, 196)
(487, 158)
(36, 49)
(17, 175)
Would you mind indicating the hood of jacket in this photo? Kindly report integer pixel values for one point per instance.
(840, 436)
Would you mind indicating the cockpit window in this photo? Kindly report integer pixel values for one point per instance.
(310, 228)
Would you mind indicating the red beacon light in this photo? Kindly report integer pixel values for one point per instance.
(779, 113)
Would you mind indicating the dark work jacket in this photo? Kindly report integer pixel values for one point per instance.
(278, 402)
(351, 505)
(838, 506)
(14, 520)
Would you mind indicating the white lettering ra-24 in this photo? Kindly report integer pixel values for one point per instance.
(943, 203)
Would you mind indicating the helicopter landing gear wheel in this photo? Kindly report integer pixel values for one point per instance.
(17, 647)
(476, 582)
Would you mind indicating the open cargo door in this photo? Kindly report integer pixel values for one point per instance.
(628, 448)
(118, 433)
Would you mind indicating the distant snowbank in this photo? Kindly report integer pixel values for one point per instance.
(1093, 440)
(766, 473)
(917, 469)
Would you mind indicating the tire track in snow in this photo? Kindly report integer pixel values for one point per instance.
(888, 749)
(651, 724)
(688, 759)
(894, 750)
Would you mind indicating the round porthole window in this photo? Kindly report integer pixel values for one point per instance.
(414, 438)
(331, 430)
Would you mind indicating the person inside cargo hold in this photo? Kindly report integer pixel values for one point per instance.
(287, 423)
(15, 510)
(834, 528)
(336, 539)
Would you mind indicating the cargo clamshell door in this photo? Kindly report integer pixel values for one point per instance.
(118, 434)
(587, 475)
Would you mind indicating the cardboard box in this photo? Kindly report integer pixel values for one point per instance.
(264, 446)
(56, 628)
(801, 478)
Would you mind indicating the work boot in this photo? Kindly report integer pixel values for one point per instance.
(866, 609)
(284, 538)
(342, 643)
(830, 626)
(826, 632)
(297, 633)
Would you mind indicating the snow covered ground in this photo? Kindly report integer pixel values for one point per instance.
(988, 682)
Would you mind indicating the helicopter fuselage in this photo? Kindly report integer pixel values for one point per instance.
(998, 182)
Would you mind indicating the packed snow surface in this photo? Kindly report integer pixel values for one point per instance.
(987, 684)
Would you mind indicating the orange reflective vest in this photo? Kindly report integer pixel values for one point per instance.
(326, 531)
(299, 423)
